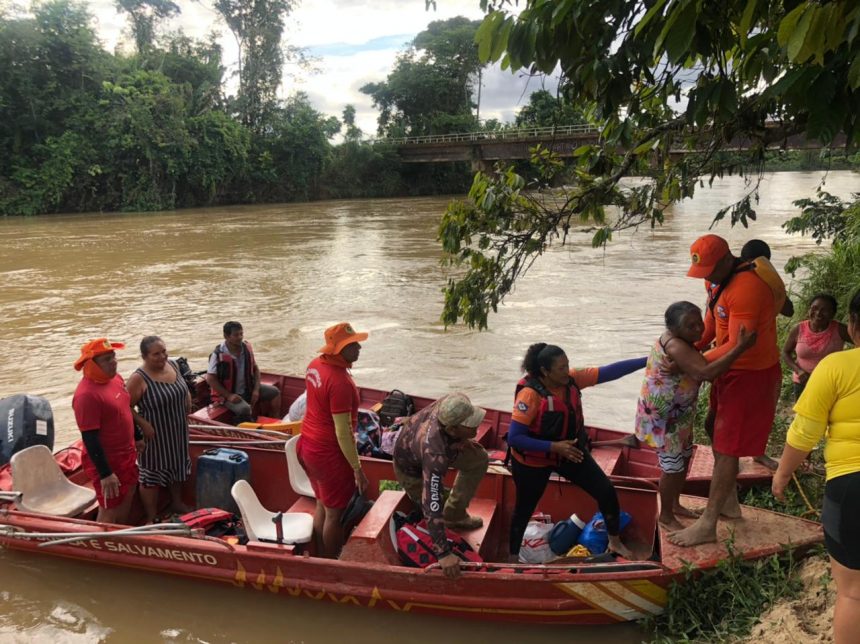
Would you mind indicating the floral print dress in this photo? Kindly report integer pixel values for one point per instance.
(667, 406)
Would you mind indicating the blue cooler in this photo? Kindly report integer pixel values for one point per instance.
(217, 470)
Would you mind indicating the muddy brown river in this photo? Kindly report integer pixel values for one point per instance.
(287, 272)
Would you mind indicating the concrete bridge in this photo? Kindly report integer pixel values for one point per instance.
(482, 149)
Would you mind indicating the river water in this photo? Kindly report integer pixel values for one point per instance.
(287, 272)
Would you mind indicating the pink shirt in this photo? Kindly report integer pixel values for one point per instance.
(811, 347)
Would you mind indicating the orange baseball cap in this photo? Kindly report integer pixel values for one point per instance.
(338, 336)
(705, 252)
(95, 348)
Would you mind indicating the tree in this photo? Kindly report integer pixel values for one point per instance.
(258, 28)
(546, 110)
(430, 89)
(656, 77)
(144, 15)
(353, 132)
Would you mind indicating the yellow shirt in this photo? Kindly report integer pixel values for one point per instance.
(830, 405)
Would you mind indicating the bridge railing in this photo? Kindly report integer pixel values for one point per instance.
(494, 135)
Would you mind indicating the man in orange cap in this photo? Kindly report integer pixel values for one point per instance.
(743, 400)
(327, 447)
(111, 441)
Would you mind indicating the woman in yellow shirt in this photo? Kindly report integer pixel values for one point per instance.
(830, 407)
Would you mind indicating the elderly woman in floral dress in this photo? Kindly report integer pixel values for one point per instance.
(667, 402)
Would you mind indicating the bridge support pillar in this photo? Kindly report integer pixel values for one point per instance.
(482, 165)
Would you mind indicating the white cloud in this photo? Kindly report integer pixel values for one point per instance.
(357, 42)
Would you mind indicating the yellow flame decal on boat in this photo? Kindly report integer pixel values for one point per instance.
(240, 577)
(278, 581)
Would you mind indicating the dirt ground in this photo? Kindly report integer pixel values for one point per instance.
(806, 619)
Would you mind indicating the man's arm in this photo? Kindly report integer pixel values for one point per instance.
(709, 333)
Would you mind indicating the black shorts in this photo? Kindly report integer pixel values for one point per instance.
(841, 519)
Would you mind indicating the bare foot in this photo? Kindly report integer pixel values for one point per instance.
(731, 508)
(670, 523)
(680, 510)
(767, 461)
(697, 533)
(619, 548)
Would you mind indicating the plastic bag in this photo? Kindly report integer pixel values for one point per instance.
(535, 546)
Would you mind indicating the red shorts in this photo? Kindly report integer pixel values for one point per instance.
(330, 473)
(126, 471)
(745, 404)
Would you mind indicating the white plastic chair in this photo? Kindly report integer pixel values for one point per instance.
(43, 485)
(297, 527)
(299, 480)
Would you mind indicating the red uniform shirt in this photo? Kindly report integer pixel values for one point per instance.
(331, 390)
(107, 408)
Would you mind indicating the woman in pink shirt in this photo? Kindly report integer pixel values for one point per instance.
(808, 342)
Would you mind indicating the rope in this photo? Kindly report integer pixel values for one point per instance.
(811, 511)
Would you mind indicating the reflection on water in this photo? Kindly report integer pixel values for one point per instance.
(287, 272)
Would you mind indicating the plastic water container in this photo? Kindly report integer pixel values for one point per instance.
(594, 535)
(217, 470)
(564, 534)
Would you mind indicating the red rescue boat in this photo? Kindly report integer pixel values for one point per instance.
(369, 573)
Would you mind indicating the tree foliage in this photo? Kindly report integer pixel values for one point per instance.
(669, 84)
(430, 89)
(546, 110)
(85, 130)
(144, 15)
(258, 28)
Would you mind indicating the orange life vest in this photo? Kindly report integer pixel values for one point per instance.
(557, 420)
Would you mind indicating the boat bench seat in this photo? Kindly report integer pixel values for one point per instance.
(43, 486)
(371, 539)
(486, 509)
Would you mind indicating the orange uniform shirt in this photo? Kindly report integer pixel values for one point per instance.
(747, 301)
(528, 400)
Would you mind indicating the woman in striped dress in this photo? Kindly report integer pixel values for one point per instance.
(163, 401)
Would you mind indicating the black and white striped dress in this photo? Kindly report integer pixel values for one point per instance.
(165, 459)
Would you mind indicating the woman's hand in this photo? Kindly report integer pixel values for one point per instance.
(147, 429)
(360, 480)
(450, 566)
(567, 450)
(746, 340)
(668, 367)
(779, 483)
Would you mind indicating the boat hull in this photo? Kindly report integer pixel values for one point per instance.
(370, 575)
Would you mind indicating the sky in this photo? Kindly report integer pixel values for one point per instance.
(354, 42)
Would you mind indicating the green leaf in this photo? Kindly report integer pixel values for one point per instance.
(746, 20)
(649, 16)
(798, 36)
(788, 24)
(501, 40)
(854, 73)
(679, 32)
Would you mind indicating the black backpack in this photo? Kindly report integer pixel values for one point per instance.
(395, 405)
